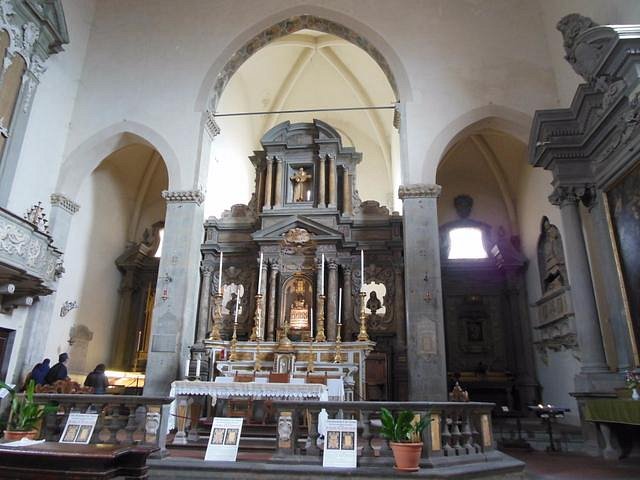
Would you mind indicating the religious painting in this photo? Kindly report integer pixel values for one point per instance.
(84, 433)
(475, 331)
(230, 294)
(333, 440)
(624, 209)
(218, 436)
(231, 437)
(347, 442)
(375, 299)
(70, 434)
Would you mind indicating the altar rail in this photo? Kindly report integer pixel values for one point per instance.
(455, 433)
(122, 420)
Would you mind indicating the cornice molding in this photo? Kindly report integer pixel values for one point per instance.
(419, 190)
(183, 196)
(64, 202)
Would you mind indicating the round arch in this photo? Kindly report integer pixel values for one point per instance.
(287, 22)
(513, 122)
(87, 156)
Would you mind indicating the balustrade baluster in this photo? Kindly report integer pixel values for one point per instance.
(446, 434)
(475, 433)
(365, 422)
(466, 433)
(312, 437)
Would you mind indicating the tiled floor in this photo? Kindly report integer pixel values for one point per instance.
(569, 466)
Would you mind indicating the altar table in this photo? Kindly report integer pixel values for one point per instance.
(606, 411)
(255, 390)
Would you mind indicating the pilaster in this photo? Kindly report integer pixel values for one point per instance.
(423, 293)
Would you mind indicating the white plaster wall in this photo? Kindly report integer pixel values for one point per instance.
(603, 12)
(50, 120)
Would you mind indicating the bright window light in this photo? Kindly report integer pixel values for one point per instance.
(466, 243)
(158, 253)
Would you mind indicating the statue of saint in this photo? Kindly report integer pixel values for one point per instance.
(374, 304)
(551, 257)
(299, 179)
(231, 304)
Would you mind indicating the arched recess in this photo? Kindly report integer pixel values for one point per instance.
(84, 159)
(290, 21)
(496, 117)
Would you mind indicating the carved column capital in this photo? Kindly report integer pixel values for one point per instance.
(183, 196)
(275, 267)
(207, 269)
(564, 195)
(332, 264)
(419, 190)
(64, 202)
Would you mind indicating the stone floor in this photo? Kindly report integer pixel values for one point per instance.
(574, 466)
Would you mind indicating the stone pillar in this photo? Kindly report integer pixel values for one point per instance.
(584, 302)
(332, 301)
(423, 293)
(347, 308)
(271, 318)
(401, 333)
(268, 183)
(79, 338)
(205, 297)
(279, 186)
(322, 184)
(174, 311)
(333, 187)
(347, 204)
(42, 314)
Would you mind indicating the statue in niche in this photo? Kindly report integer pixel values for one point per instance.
(374, 304)
(231, 304)
(551, 257)
(299, 315)
(299, 179)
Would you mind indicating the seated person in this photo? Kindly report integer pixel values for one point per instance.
(97, 379)
(58, 371)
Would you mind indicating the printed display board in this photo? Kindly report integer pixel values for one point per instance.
(224, 439)
(79, 428)
(341, 444)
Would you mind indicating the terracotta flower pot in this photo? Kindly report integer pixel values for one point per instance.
(407, 456)
(14, 435)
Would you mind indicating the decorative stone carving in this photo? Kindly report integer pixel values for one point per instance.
(239, 210)
(419, 190)
(568, 194)
(551, 264)
(372, 208)
(285, 429)
(211, 126)
(79, 338)
(67, 306)
(581, 56)
(64, 202)
(627, 128)
(36, 216)
(297, 236)
(179, 196)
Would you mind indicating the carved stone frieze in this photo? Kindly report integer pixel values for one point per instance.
(627, 127)
(297, 236)
(183, 196)
(64, 202)
(553, 328)
(419, 190)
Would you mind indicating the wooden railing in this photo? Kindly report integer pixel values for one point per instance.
(123, 419)
(455, 432)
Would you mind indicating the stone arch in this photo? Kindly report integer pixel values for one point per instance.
(79, 164)
(510, 121)
(292, 20)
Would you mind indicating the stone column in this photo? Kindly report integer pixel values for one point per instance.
(205, 297)
(333, 187)
(271, 319)
(263, 303)
(347, 204)
(322, 184)
(268, 183)
(279, 186)
(584, 302)
(318, 299)
(347, 308)
(41, 315)
(174, 311)
(423, 293)
(332, 301)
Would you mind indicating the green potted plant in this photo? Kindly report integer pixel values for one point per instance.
(402, 432)
(24, 413)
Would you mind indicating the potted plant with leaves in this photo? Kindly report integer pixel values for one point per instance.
(404, 433)
(24, 413)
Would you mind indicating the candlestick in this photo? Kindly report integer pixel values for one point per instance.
(322, 277)
(363, 336)
(260, 274)
(256, 333)
(217, 317)
(310, 365)
(139, 347)
(198, 369)
(361, 270)
(220, 274)
(233, 355)
(320, 337)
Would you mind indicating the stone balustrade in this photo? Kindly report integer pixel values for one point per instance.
(456, 432)
(123, 419)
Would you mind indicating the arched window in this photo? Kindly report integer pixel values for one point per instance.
(158, 253)
(466, 242)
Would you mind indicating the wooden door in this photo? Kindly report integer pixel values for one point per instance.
(6, 343)
(376, 377)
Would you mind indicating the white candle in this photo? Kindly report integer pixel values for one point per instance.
(235, 319)
(139, 340)
(220, 274)
(322, 277)
(186, 368)
(361, 270)
(260, 274)
(340, 306)
(198, 368)
(311, 324)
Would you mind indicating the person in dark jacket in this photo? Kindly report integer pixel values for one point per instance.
(59, 370)
(97, 379)
(39, 372)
